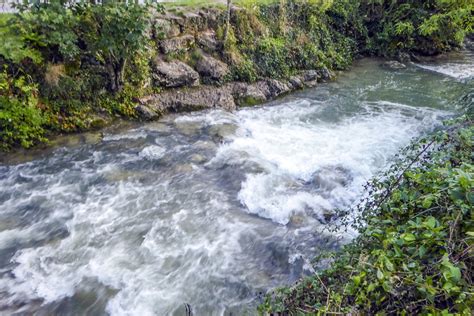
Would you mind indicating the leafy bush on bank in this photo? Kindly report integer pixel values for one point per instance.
(82, 59)
(414, 254)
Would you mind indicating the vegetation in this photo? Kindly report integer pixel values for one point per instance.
(414, 253)
(86, 63)
(75, 65)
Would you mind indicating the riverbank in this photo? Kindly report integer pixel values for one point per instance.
(211, 208)
(414, 250)
(75, 77)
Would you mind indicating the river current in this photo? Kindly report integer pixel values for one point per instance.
(211, 208)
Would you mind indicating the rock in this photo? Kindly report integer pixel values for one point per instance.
(166, 28)
(186, 100)
(177, 44)
(296, 82)
(146, 113)
(204, 145)
(325, 74)
(249, 94)
(198, 159)
(328, 215)
(403, 57)
(212, 68)
(393, 65)
(188, 128)
(310, 75)
(277, 87)
(204, 97)
(221, 131)
(207, 40)
(174, 74)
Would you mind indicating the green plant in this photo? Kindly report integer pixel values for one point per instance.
(271, 57)
(21, 119)
(113, 33)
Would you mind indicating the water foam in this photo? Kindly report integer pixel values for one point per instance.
(105, 222)
(314, 166)
(457, 71)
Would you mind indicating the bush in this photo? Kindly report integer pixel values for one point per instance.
(21, 119)
(271, 57)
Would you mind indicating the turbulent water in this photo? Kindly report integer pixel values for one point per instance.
(207, 209)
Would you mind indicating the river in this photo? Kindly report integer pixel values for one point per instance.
(211, 208)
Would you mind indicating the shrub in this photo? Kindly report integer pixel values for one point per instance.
(271, 57)
(21, 119)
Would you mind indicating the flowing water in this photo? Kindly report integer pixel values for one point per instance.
(212, 208)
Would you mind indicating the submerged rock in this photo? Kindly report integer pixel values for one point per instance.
(174, 74)
(188, 128)
(221, 131)
(393, 65)
(197, 158)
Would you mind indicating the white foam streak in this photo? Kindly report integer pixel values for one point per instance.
(293, 150)
(460, 71)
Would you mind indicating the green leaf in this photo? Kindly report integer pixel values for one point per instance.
(379, 274)
(408, 237)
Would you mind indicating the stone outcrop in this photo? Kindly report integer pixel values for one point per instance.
(174, 74)
(226, 97)
(191, 37)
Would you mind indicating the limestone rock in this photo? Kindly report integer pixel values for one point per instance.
(166, 28)
(174, 74)
(207, 40)
(212, 68)
(296, 82)
(146, 113)
(177, 44)
(191, 99)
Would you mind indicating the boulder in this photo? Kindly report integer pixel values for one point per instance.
(146, 113)
(207, 40)
(403, 57)
(166, 28)
(249, 94)
(174, 74)
(277, 87)
(211, 68)
(185, 100)
(177, 44)
(310, 75)
(296, 82)
(324, 74)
